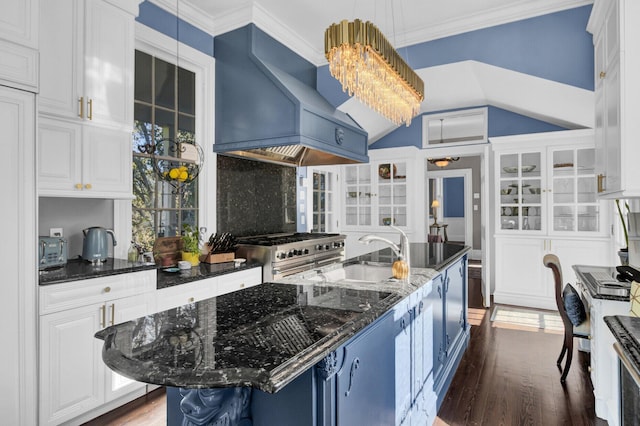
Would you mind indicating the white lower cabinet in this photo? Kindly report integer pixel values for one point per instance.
(73, 378)
(238, 280)
(521, 278)
(603, 359)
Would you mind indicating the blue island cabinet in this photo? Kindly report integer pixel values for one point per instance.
(351, 386)
(448, 302)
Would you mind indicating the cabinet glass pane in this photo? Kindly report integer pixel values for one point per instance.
(588, 218)
(587, 190)
(384, 195)
(400, 194)
(385, 217)
(563, 190)
(531, 191)
(351, 175)
(352, 195)
(586, 161)
(352, 216)
(365, 216)
(530, 165)
(564, 218)
(509, 165)
(400, 216)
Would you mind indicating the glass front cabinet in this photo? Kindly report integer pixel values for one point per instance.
(376, 194)
(547, 188)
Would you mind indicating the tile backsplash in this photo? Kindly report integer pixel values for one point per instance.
(254, 197)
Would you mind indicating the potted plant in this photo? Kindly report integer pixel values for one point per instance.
(623, 253)
(190, 245)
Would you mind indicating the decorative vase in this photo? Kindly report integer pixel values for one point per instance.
(623, 254)
(193, 258)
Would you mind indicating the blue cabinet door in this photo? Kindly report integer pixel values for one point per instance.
(365, 383)
(436, 302)
(455, 295)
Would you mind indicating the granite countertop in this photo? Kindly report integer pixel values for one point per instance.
(79, 269)
(262, 336)
(580, 270)
(626, 330)
(202, 271)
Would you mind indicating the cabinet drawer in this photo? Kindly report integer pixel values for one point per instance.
(239, 280)
(178, 295)
(58, 297)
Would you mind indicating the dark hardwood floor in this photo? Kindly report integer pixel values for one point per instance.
(509, 377)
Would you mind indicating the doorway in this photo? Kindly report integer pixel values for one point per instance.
(453, 209)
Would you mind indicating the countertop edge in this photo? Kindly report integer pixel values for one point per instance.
(628, 341)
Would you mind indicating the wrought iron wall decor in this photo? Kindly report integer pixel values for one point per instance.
(177, 163)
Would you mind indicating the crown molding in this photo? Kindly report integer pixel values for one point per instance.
(188, 13)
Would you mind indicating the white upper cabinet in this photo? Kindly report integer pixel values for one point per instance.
(19, 44)
(616, 39)
(545, 185)
(86, 98)
(86, 62)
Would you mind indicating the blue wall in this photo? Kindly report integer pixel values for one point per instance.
(164, 22)
(453, 197)
(501, 123)
(556, 47)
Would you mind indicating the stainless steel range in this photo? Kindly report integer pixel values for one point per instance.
(286, 254)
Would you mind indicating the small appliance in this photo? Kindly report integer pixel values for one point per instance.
(52, 252)
(95, 247)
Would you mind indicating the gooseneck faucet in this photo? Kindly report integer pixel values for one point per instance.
(401, 252)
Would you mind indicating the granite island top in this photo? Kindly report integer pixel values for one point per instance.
(626, 330)
(263, 336)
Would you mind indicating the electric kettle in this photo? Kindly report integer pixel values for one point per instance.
(95, 245)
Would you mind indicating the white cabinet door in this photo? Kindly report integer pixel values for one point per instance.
(520, 278)
(87, 64)
(238, 280)
(19, 44)
(106, 163)
(83, 161)
(108, 63)
(71, 368)
(59, 156)
(18, 314)
(61, 58)
(523, 280)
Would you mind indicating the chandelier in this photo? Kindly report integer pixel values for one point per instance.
(367, 66)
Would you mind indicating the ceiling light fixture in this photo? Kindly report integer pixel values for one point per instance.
(367, 66)
(444, 161)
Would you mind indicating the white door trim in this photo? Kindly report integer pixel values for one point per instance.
(468, 198)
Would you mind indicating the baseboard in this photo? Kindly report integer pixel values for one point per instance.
(524, 300)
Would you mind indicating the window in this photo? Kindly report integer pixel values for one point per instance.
(164, 110)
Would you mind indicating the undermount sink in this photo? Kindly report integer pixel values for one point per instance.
(356, 272)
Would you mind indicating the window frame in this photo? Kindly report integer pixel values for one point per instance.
(168, 49)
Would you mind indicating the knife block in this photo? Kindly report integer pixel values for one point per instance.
(216, 257)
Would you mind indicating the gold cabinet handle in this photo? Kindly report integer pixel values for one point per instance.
(603, 74)
(78, 186)
(88, 186)
(191, 299)
(589, 369)
(81, 106)
(103, 309)
(241, 285)
(90, 105)
(600, 182)
(107, 289)
(113, 314)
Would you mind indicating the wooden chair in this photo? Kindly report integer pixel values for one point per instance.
(582, 331)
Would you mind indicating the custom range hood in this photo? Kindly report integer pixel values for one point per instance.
(267, 107)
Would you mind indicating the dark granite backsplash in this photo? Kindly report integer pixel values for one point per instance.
(254, 197)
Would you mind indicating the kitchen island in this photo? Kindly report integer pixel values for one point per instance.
(311, 352)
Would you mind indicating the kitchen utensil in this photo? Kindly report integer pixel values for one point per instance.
(95, 246)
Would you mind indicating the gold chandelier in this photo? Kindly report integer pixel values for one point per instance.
(367, 66)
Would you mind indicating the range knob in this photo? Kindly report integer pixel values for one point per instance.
(282, 255)
(319, 247)
(306, 251)
(290, 254)
(327, 247)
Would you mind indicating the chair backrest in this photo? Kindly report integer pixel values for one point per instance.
(552, 262)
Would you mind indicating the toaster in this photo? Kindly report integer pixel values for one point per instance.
(52, 251)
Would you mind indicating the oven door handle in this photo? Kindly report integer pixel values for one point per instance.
(285, 272)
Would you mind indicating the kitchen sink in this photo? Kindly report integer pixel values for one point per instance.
(356, 272)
